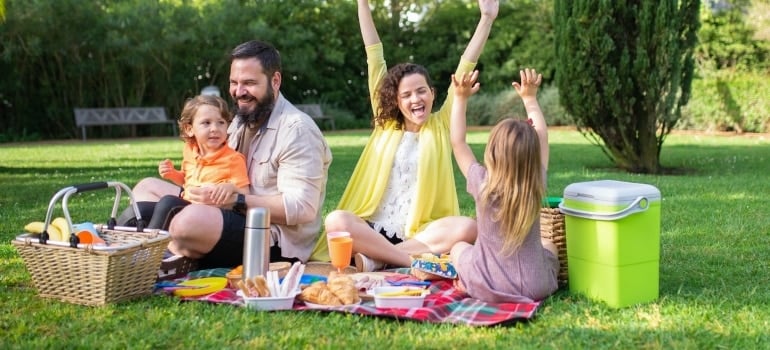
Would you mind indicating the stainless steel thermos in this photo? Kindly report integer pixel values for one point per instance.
(256, 243)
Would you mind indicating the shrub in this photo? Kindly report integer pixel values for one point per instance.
(728, 102)
(488, 108)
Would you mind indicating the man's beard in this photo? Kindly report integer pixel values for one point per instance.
(261, 111)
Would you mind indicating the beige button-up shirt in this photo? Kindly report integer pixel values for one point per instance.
(289, 157)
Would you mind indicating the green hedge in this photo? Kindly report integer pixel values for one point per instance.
(729, 102)
(719, 102)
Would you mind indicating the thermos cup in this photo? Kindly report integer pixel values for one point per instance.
(256, 243)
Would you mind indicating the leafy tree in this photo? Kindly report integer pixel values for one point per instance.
(624, 70)
(727, 40)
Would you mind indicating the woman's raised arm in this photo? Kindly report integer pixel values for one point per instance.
(488, 10)
(365, 21)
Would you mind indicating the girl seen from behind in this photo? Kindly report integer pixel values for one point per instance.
(508, 262)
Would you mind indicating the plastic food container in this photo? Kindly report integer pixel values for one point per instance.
(269, 303)
(397, 297)
(613, 240)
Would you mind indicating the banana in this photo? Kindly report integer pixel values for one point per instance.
(64, 228)
(54, 234)
(34, 227)
(58, 229)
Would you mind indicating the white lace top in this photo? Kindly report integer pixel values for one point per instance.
(393, 210)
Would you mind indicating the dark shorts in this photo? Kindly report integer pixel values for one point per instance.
(228, 252)
(393, 240)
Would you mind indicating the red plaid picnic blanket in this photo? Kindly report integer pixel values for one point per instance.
(444, 305)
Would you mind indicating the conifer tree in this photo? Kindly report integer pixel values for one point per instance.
(624, 70)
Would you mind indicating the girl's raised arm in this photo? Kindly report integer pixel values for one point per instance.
(527, 89)
(464, 86)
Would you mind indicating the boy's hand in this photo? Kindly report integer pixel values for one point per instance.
(165, 167)
(467, 84)
(530, 81)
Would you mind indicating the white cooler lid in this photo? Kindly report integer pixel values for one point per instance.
(610, 192)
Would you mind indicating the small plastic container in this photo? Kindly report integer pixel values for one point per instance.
(387, 297)
(270, 303)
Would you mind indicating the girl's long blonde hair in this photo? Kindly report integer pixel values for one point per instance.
(514, 190)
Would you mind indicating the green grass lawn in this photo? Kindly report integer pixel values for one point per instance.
(714, 271)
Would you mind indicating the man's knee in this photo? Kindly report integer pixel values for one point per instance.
(195, 220)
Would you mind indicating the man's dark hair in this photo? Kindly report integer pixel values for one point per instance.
(264, 52)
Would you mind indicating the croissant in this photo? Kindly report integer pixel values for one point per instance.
(344, 287)
(319, 293)
(327, 297)
(335, 279)
(311, 292)
(346, 293)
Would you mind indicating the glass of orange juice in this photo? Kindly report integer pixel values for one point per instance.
(340, 249)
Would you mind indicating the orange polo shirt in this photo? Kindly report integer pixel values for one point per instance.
(224, 165)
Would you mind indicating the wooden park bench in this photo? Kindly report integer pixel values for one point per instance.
(133, 116)
(314, 111)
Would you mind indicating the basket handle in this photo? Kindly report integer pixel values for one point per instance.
(66, 192)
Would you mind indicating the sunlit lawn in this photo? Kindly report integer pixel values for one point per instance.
(715, 243)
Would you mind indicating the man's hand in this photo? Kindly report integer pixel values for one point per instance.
(222, 193)
(200, 195)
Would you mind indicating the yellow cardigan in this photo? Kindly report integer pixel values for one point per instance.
(436, 195)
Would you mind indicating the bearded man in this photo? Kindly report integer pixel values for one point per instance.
(287, 159)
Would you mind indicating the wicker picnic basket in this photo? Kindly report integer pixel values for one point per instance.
(552, 228)
(87, 274)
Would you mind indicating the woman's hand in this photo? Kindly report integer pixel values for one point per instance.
(489, 8)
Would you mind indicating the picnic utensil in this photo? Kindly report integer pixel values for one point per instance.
(172, 286)
(408, 283)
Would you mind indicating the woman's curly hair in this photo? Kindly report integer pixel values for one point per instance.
(388, 93)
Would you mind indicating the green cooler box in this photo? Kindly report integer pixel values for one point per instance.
(613, 240)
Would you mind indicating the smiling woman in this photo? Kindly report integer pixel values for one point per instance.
(401, 198)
